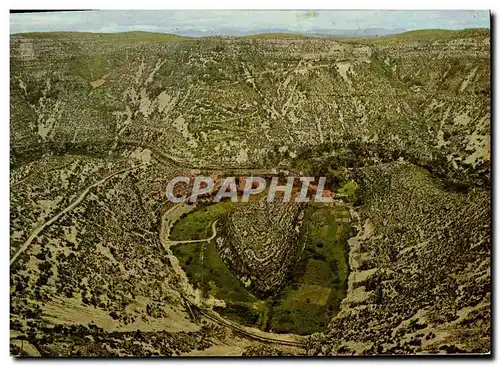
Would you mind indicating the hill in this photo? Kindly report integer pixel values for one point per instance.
(100, 123)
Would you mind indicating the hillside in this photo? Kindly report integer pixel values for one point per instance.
(100, 123)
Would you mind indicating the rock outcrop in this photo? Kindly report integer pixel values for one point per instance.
(259, 242)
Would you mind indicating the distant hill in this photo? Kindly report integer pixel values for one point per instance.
(432, 35)
(368, 32)
(371, 35)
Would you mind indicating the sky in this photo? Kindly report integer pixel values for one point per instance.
(229, 22)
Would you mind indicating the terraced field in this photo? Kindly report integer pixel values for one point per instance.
(314, 287)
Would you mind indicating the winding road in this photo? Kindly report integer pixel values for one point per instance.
(26, 347)
(236, 327)
(67, 209)
(251, 333)
(192, 297)
(214, 230)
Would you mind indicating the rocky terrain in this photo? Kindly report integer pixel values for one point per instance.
(421, 276)
(259, 242)
(226, 102)
(101, 122)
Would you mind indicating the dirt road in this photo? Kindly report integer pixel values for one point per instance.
(67, 209)
(193, 297)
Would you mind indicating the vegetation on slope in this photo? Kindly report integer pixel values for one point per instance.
(313, 291)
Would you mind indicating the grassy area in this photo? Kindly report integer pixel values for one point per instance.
(198, 225)
(206, 270)
(348, 190)
(318, 284)
(313, 291)
(91, 67)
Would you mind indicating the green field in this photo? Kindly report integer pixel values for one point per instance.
(313, 291)
(198, 224)
(318, 284)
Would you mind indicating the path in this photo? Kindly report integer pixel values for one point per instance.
(214, 230)
(67, 209)
(26, 347)
(193, 297)
(263, 337)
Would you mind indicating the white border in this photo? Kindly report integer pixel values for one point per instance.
(257, 4)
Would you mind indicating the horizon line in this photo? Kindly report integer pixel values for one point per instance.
(250, 33)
